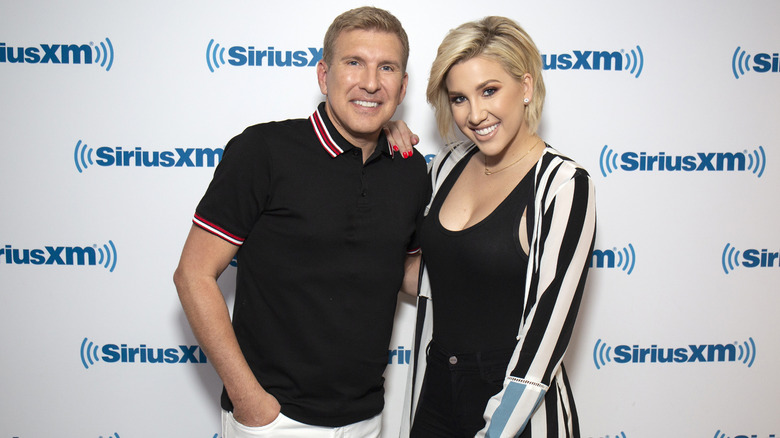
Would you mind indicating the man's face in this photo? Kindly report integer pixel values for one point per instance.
(364, 83)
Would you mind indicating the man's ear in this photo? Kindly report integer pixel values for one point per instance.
(322, 76)
(404, 84)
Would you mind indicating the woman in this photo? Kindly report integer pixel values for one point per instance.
(506, 244)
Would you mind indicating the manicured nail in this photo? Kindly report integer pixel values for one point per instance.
(405, 154)
(395, 148)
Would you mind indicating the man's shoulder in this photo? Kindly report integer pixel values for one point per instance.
(278, 128)
(412, 166)
(270, 134)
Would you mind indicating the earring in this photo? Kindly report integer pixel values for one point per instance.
(525, 101)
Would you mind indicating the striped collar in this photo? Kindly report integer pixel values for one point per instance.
(330, 139)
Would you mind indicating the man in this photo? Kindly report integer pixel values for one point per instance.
(322, 215)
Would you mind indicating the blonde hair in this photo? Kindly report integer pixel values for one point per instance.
(365, 18)
(496, 38)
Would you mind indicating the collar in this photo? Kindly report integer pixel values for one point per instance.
(333, 142)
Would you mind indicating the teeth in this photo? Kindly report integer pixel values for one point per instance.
(367, 104)
(486, 131)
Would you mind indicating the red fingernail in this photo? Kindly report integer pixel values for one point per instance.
(395, 148)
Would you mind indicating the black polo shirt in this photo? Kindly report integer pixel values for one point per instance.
(322, 240)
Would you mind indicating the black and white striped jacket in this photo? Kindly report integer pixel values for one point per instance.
(536, 399)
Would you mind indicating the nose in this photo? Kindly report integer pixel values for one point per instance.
(477, 113)
(369, 81)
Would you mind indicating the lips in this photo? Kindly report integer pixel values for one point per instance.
(486, 131)
(365, 103)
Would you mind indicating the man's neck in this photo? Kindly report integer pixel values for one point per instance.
(366, 143)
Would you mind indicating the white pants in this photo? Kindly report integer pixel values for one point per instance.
(283, 427)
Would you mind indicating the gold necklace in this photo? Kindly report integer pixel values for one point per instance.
(488, 172)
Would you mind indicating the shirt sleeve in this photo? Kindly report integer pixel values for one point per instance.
(237, 193)
(560, 250)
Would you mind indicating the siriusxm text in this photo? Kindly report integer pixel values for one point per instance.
(691, 353)
(113, 353)
(766, 63)
(47, 54)
(399, 356)
(583, 60)
(702, 161)
(270, 57)
(603, 258)
(179, 157)
(49, 255)
(753, 258)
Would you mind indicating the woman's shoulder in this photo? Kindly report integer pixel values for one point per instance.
(449, 155)
(455, 151)
(553, 160)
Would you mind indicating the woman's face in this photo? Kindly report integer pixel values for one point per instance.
(487, 104)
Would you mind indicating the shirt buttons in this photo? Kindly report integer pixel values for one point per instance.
(364, 194)
(453, 360)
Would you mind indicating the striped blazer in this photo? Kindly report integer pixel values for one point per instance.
(536, 400)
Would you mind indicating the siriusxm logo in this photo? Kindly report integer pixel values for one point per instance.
(100, 54)
(633, 62)
(240, 56)
(762, 63)
(755, 162)
(399, 356)
(623, 259)
(626, 354)
(720, 434)
(104, 256)
(106, 156)
(113, 353)
(732, 258)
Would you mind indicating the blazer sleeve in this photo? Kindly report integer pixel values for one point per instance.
(561, 246)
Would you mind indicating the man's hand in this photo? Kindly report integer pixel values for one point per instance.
(256, 411)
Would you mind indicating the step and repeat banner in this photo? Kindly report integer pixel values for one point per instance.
(115, 114)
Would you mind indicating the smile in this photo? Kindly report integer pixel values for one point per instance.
(366, 104)
(488, 130)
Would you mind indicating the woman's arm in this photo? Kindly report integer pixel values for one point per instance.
(401, 138)
(561, 246)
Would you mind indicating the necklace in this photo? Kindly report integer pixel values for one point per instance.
(488, 172)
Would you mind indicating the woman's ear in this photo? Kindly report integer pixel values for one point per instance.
(527, 81)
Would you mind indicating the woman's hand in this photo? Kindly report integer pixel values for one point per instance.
(401, 137)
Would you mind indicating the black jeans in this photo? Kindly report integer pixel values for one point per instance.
(456, 390)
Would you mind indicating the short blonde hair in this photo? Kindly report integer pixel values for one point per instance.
(497, 38)
(365, 18)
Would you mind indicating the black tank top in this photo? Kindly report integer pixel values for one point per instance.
(477, 275)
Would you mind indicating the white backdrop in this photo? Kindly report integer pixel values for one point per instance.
(677, 335)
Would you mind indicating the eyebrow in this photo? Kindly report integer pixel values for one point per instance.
(362, 59)
(486, 83)
(478, 87)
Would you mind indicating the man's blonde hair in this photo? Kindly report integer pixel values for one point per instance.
(365, 18)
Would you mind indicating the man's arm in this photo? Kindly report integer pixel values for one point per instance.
(411, 274)
(202, 261)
